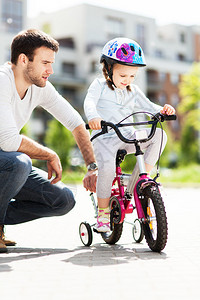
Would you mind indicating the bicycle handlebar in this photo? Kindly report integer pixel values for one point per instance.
(153, 122)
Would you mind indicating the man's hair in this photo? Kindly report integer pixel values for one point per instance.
(28, 41)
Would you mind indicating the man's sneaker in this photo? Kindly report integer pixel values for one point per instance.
(103, 224)
(2, 237)
(3, 247)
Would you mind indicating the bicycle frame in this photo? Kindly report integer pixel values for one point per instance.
(119, 193)
(125, 202)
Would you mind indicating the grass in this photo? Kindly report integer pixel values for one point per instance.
(181, 176)
(73, 177)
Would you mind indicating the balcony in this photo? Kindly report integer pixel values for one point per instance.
(67, 80)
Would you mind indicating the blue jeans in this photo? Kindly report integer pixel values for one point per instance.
(26, 193)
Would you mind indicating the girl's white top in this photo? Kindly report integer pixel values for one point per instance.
(114, 106)
(14, 112)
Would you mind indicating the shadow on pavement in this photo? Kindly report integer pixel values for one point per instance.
(18, 253)
(102, 254)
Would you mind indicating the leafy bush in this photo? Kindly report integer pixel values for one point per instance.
(61, 140)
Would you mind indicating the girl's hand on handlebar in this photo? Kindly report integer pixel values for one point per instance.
(95, 123)
(167, 110)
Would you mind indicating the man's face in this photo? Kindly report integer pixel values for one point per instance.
(38, 70)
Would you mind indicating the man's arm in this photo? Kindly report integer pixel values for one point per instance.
(37, 151)
(82, 138)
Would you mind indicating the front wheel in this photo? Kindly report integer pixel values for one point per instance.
(155, 228)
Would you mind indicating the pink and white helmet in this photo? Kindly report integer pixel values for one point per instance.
(123, 51)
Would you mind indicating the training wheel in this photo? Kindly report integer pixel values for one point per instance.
(85, 233)
(138, 233)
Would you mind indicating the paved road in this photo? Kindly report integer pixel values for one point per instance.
(51, 263)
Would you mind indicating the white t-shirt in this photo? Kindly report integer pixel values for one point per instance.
(114, 106)
(14, 112)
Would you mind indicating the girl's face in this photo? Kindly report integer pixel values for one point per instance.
(123, 75)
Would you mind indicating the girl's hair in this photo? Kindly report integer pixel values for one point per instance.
(107, 77)
(28, 41)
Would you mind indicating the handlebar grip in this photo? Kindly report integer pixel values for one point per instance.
(103, 123)
(168, 117)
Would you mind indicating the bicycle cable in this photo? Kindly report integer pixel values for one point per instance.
(161, 142)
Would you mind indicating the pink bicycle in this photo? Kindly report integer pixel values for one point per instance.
(151, 220)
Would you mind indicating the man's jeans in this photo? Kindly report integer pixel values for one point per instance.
(25, 192)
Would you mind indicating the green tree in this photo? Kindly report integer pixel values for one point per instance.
(61, 140)
(189, 110)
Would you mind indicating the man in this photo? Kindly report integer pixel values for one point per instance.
(27, 193)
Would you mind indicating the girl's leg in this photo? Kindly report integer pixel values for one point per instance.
(105, 153)
(151, 154)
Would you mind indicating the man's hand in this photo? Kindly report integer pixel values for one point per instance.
(89, 181)
(37, 151)
(54, 167)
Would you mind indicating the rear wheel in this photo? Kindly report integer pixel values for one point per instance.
(113, 236)
(155, 228)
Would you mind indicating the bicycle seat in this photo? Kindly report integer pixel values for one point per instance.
(120, 156)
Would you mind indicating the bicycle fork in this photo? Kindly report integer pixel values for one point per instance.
(135, 187)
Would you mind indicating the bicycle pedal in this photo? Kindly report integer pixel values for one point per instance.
(95, 230)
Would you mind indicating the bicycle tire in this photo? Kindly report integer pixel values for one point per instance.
(156, 237)
(113, 237)
(138, 231)
(85, 234)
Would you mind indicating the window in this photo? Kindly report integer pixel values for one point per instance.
(67, 43)
(162, 98)
(162, 76)
(68, 68)
(69, 94)
(159, 53)
(174, 100)
(114, 27)
(12, 12)
(181, 57)
(174, 78)
(94, 65)
(141, 35)
(182, 37)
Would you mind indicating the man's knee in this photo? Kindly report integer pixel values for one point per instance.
(16, 163)
(23, 164)
(66, 202)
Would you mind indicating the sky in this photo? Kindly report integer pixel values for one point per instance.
(163, 11)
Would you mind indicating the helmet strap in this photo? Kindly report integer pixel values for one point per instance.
(110, 72)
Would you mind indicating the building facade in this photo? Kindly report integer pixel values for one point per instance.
(82, 31)
(13, 18)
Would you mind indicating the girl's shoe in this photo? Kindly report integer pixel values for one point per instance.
(103, 224)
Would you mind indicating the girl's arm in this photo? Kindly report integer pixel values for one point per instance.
(91, 100)
(143, 103)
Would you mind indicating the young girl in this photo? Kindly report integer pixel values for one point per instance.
(112, 99)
